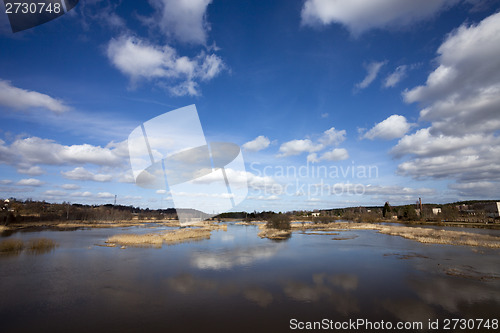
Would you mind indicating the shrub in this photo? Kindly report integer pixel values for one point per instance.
(279, 221)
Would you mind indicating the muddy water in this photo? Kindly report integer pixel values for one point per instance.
(236, 282)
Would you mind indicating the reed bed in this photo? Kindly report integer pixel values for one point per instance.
(40, 245)
(271, 233)
(435, 236)
(422, 235)
(33, 246)
(11, 246)
(157, 239)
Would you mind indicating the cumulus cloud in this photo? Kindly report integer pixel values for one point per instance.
(391, 128)
(464, 90)
(359, 16)
(142, 60)
(33, 150)
(296, 147)
(70, 186)
(30, 182)
(372, 71)
(80, 173)
(31, 170)
(393, 79)
(22, 99)
(332, 137)
(105, 195)
(54, 193)
(184, 20)
(337, 154)
(460, 99)
(259, 143)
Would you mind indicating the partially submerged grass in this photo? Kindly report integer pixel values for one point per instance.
(40, 245)
(11, 246)
(275, 234)
(33, 246)
(435, 236)
(169, 237)
(422, 235)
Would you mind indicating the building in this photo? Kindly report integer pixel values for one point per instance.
(492, 209)
(315, 214)
(436, 210)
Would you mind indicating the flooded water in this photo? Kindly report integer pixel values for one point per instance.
(237, 282)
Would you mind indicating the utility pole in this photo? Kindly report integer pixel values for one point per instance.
(115, 201)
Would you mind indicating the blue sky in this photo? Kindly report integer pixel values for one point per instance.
(374, 100)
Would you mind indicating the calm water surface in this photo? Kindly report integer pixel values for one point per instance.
(237, 282)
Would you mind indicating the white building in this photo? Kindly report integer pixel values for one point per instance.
(436, 211)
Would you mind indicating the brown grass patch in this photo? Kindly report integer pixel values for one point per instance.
(33, 246)
(423, 235)
(11, 246)
(40, 245)
(275, 234)
(157, 239)
(434, 236)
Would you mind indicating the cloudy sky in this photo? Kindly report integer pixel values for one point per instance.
(334, 103)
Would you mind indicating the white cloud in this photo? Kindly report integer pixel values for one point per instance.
(296, 147)
(313, 158)
(80, 173)
(480, 189)
(33, 150)
(460, 99)
(70, 186)
(393, 79)
(55, 193)
(464, 90)
(86, 194)
(259, 143)
(18, 98)
(362, 15)
(5, 182)
(391, 128)
(31, 170)
(30, 182)
(184, 20)
(105, 195)
(332, 137)
(337, 154)
(324, 115)
(372, 71)
(141, 60)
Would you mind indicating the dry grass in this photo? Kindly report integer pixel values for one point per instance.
(40, 245)
(423, 235)
(272, 233)
(434, 236)
(157, 239)
(11, 246)
(33, 246)
(98, 224)
(3, 228)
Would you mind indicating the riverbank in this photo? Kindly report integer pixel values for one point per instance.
(419, 234)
